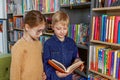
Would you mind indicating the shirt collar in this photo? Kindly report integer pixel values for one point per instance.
(55, 37)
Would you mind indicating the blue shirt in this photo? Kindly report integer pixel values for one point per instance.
(64, 52)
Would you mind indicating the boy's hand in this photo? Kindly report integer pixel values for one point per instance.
(43, 76)
(61, 75)
(81, 67)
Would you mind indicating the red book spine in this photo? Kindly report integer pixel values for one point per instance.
(117, 19)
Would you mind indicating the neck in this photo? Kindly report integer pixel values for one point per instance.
(27, 37)
(61, 39)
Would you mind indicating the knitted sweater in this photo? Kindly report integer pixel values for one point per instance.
(26, 61)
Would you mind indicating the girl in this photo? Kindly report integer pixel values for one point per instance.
(27, 52)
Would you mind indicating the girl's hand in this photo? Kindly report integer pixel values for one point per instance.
(61, 75)
(44, 76)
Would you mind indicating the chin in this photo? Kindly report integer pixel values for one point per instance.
(61, 36)
(35, 39)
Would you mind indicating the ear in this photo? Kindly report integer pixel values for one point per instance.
(27, 27)
(52, 26)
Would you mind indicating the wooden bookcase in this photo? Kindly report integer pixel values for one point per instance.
(106, 71)
(14, 29)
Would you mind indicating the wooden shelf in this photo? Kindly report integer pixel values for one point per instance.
(15, 29)
(80, 73)
(106, 43)
(18, 15)
(50, 34)
(106, 76)
(80, 5)
(18, 29)
(48, 13)
(115, 8)
(12, 42)
(82, 46)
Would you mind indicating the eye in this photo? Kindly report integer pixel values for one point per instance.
(39, 31)
(65, 28)
(58, 28)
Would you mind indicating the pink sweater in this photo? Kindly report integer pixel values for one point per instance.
(26, 61)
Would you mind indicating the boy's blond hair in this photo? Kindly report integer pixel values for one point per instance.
(61, 17)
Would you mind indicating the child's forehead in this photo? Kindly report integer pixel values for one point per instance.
(62, 23)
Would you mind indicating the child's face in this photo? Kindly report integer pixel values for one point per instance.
(60, 30)
(36, 32)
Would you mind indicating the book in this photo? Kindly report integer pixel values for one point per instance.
(61, 68)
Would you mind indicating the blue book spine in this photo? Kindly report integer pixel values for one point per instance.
(101, 37)
(117, 66)
(112, 63)
(104, 28)
(119, 32)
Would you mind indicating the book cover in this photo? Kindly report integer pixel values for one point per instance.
(112, 28)
(112, 62)
(115, 62)
(60, 67)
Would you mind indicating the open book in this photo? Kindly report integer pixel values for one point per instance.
(60, 67)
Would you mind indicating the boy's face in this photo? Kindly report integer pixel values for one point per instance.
(36, 32)
(60, 30)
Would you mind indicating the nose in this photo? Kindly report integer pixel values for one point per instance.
(40, 34)
(62, 31)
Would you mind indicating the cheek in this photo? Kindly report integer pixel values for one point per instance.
(65, 31)
(57, 31)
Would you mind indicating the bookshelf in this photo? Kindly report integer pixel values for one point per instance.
(104, 42)
(16, 10)
(79, 13)
(106, 76)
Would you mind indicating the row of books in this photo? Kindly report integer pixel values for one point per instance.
(93, 76)
(15, 23)
(105, 60)
(67, 2)
(43, 38)
(106, 28)
(42, 5)
(15, 35)
(22, 6)
(78, 32)
(106, 3)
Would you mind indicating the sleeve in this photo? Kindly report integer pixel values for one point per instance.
(15, 70)
(75, 55)
(50, 72)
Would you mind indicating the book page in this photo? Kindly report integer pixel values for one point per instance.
(59, 64)
(74, 66)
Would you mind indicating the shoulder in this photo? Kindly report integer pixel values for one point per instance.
(18, 45)
(49, 41)
(70, 40)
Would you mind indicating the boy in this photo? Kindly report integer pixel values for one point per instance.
(60, 48)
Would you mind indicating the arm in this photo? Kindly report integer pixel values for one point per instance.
(50, 72)
(15, 70)
(75, 54)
